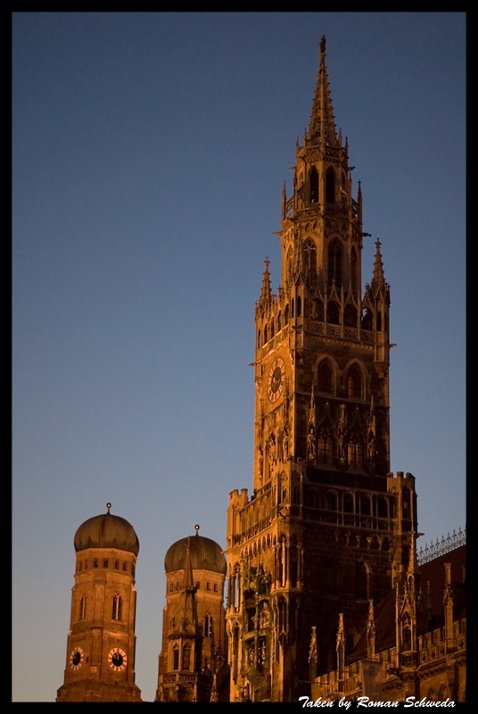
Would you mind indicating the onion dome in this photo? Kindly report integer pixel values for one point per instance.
(205, 554)
(107, 531)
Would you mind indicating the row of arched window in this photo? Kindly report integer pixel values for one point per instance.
(331, 315)
(350, 503)
(116, 607)
(330, 185)
(327, 378)
(177, 586)
(182, 656)
(335, 264)
(103, 563)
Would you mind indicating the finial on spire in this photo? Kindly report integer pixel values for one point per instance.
(322, 122)
(196, 528)
(108, 506)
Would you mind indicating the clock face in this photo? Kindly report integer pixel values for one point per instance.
(76, 658)
(275, 384)
(117, 659)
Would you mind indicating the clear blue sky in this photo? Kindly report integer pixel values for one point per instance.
(149, 153)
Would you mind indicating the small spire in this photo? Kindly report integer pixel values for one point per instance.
(108, 506)
(266, 292)
(371, 631)
(378, 279)
(322, 123)
(188, 583)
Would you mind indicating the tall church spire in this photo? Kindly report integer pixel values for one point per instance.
(322, 123)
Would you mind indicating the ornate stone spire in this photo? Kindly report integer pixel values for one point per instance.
(378, 279)
(266, 292)
(322, 123)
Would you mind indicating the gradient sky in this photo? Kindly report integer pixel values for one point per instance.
(149, 151)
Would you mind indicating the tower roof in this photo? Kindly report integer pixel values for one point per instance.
(322, 122)
(202, 553)
(107, 531)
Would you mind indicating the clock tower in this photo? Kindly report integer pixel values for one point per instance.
(327, 528)
(101, 642)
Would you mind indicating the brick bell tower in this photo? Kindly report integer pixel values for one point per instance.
(101, 643)
(327, 527)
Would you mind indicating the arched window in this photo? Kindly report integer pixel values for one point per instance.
(379, 321)
(348, 503)
(330, 185)
(350, 316)
(286, 315)
(237, 588)
(325, 382)
(365, 505)
(366, 319)
(310, 257)
(334, 256)
(176, 657)
(82, 612)
(354, 383)
(313, 185)
(318, 310)
(187, 656)
(117, 607)
(333, 313)
(292, 314)
(299, 306)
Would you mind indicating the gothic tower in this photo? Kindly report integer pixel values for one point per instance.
(101, 642)
(327, 527)
(192, 663)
